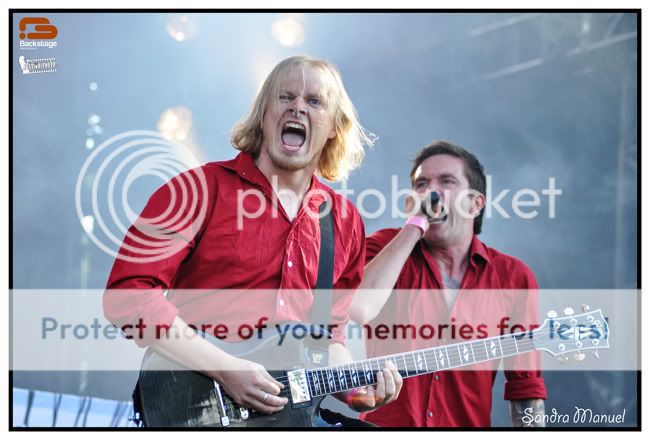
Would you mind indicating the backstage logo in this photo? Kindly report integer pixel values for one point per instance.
(37, 32)
(39, 65)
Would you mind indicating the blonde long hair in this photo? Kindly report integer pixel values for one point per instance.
(341, 154)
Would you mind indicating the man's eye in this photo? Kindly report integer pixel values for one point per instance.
(420, 184)
(285, 98)
(315, 101)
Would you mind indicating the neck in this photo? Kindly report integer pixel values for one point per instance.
(452, 258)
(294, 181)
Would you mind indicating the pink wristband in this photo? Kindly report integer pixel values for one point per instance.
(419, 222)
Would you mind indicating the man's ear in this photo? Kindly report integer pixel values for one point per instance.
(478, 203)
(332, 134)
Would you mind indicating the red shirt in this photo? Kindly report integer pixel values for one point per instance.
(269, 252)
(456, 398)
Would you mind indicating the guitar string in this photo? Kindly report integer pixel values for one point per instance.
(409, 364)
(285, 392)
(527, 344)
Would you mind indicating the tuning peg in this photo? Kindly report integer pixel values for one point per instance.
(563, 359)
(596, 354)
(568, 311)
(551, 314)
(585, 308)
(579, 356)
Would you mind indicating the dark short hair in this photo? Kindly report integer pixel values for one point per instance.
(473, 169)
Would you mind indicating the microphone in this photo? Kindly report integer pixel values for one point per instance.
(435, 198)
(428, 206)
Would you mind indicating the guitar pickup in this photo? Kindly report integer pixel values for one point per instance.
(299, 388)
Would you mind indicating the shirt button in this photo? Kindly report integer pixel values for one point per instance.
(437, 377)
(430, 414)
(290, 264)
(281, 302)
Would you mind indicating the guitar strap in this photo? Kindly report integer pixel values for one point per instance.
(321, 309)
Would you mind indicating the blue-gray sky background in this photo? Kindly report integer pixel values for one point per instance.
(533, 95)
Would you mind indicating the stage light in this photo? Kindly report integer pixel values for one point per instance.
(88, 223)
(289, 30)
(94, 119)
(182, 27)
(92, 86)
(90, 143)
(175, 123)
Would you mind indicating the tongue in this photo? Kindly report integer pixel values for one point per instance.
(293, 139)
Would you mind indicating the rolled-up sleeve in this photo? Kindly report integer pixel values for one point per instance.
(523, 372)
(524, 386)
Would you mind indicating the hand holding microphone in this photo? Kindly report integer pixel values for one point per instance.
(431, 212)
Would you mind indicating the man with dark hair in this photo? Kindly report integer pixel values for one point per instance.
(473, 170)
(440, 271)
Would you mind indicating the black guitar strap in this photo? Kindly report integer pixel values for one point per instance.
(321, 310)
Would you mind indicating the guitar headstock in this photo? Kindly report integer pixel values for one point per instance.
(571, 333)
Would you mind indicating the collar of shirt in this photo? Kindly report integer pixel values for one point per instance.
(244, 165)
(478, 255)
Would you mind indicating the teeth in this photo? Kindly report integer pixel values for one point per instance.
(294, 125)
(438, 220)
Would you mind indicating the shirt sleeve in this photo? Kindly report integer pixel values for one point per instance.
(152, 251)
(377, 241)
(523, 372)
(349, 280)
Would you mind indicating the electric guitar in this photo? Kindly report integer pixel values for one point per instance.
(171, 396)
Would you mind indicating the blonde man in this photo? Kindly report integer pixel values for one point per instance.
(302, 123)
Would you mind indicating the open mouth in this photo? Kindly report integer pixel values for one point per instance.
(441, 218)
(293, 135)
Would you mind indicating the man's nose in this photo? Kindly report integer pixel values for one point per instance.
(433, 187)
(298, 107)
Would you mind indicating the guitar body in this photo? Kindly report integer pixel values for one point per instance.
(172, 396)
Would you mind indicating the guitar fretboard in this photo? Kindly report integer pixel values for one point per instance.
(338, 378)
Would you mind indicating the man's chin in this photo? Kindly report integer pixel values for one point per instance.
(437, 236)
(289, 163)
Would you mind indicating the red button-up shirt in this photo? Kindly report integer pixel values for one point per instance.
(457, 398)
(269, 252)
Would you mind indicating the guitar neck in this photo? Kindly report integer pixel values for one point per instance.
(343, 377)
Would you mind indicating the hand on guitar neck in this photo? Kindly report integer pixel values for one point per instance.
(389, 384)
(385, 390)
